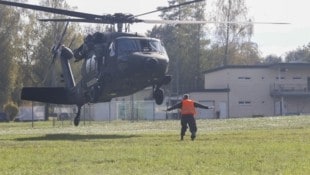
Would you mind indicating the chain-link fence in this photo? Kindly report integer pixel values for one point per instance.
(111, 111)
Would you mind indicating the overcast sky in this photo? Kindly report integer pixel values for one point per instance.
(272, 39)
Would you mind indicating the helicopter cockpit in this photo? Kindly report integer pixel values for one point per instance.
(124, 46)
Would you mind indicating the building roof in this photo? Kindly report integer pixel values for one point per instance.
(274, 65)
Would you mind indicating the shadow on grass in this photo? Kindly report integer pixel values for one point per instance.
(74, 137)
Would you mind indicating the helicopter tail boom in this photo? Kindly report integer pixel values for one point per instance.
(56, 95)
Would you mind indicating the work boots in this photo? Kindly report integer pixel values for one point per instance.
(193, 136)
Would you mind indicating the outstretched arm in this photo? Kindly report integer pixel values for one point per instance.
(178, 105)
(198, 105)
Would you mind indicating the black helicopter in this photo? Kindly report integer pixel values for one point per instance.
(114, 63)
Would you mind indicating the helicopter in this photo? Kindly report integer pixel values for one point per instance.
(114, 63)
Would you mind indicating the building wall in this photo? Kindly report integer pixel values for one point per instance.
(202, 98)
(250, 89)
(249, 92)
(211, 99)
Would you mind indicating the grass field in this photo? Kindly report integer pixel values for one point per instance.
(275, 145)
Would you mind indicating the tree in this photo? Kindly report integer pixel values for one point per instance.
(271, 59)
(234, 39)
(44, 73)
(184, 44)
(301, 54)
(11, 110)
(32, 45)
(9, 25)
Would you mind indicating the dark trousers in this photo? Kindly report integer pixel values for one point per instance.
(188, 120)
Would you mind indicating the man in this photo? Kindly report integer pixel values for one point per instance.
(188, 112)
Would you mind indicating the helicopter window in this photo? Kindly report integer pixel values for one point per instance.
(129, 45)
(112, 49)
(91, 64)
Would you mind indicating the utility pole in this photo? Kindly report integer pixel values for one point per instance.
(225, 62)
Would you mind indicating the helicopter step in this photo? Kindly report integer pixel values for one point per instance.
(94, 93)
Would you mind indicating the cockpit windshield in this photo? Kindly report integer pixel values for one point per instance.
(127, 45)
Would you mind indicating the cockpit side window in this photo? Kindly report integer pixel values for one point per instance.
(157, 46)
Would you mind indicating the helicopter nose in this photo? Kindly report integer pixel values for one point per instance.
(151, 65)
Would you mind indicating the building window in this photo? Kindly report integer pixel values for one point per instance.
(244, 78)
(244, 103)
(283, 69)
(297, 78)
(282, 78)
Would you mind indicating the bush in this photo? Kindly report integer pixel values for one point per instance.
(11, 110)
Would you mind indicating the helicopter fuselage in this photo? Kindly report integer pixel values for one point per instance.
(114, 64)
(119, 66)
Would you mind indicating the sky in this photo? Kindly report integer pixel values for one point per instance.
(271, 39)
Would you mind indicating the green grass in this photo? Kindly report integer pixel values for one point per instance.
(276, 145)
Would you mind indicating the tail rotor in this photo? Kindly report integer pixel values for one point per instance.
(54, 50)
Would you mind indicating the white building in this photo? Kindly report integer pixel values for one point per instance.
(258, 90)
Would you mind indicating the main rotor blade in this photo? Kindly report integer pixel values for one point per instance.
(81, 20)
(52, 10)
(170, 7)
(106, 20)
(54, 51)
(204, 22)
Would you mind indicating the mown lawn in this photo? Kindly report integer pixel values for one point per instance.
(275, 145)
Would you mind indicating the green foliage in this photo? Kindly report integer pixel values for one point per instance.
(275, 145)
(25, 51)
(43, 72)
(301, 54)
(185, 45)
(270, 59)
(11, 110)
(191, 53)
(9, 24)
(234, 39)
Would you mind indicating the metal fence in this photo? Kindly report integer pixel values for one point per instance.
(112, 111)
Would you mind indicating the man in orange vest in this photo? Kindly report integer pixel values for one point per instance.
(188, 112)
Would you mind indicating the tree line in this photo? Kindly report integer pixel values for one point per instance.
(25, 44)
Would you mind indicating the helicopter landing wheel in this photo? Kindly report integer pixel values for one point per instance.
(77, 118)
(159, 96)
(76, 121)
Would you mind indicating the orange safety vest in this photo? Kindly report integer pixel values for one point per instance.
(188, 107)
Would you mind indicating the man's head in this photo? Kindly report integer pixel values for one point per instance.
(185, 96)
